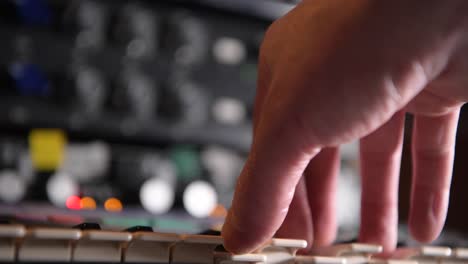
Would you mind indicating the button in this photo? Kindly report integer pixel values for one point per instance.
(47, 148)
(104, 246)
(88, 226)
(150, 247)
(48, 244)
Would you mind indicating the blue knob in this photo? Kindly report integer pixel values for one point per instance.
(30, 79)
(34, 12)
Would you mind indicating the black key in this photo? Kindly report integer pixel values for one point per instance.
(134, 229)
(7, 219)
(88, 226)
(210, 232)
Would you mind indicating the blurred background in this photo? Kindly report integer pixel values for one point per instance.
(139, 112)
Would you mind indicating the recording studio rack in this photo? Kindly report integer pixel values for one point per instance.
(69, 65)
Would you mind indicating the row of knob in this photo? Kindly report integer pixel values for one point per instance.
(196, 179)
(135, 94)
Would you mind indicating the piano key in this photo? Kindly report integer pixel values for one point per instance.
(353, 249)
(275, 251)
(8, 237)
(150, 247)
(392, 261)
(460, 253)
(48, 244)
(279, 250)
(423, 254)
(88, 226)
(292, 245)
(210, 232)
(195, 249)
(103, 246)
(319, 260)
(139, 228)
(221, 256)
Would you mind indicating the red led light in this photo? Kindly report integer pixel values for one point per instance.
(73, 203)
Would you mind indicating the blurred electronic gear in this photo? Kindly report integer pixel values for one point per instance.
(229, 111)
(60, 187)
(138, 29)
(200, 199)
(156, 183)
(140, 109)
(229, 51)
(12, 187)
(141, 94)
(91, 90)
(224, 166)
(86, 162)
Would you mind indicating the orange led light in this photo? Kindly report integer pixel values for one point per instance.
(87, 203)
(113, 205)
(219, 211)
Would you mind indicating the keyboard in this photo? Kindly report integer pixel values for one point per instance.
(88, 243)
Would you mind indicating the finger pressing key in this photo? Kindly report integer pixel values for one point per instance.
(433, 152)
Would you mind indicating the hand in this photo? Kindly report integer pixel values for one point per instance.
(332, 71)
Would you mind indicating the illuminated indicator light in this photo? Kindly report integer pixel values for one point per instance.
(219, 211)
(113, 205)
(87, 203)
(200, 198)
(47, 147)
(73, 203)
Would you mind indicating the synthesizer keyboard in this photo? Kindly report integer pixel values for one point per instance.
(88, 243)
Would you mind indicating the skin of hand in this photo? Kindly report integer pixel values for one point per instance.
(332, 71)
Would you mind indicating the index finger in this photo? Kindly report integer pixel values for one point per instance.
(279, 156)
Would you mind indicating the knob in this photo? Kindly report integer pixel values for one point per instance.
(91, 90)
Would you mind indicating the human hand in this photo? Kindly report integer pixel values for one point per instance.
(332, 71)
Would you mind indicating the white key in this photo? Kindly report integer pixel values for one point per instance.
(460, 253)
(351, 249)
(221, 256)
(392, 261)
(423, 254)
(8, 237)
(319, 260)
(275, 251)
(48, 244)
(279, 250)
(100, 246)
(195, 249)
(150, 247)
